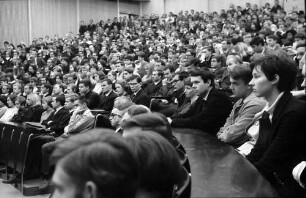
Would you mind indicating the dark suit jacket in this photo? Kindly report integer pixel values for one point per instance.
(93, 100)
(107, 102)
(209, 115)
(28, 114)
(59, 120)
(39, 62)
(277, 154)
(141, 98)
(154, 90)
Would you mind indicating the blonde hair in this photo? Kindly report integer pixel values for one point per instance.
(34, 99)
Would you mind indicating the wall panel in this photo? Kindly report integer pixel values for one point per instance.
(154, 6)
(50, 17)
(177, 5)
(130, 8)
(13, 21)
(97, 10)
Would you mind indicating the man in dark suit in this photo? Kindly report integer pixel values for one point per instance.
(108, 96)
(213, 105)
(205, 58)
(59, 118)
(83, 28)
(154, 88)
(139, 96)
(37, 61)
(93, 99)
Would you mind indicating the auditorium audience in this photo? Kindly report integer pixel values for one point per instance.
(212, 107)
(57, 120)
(11, 110)
(113, 173)
(233, 131)
(281, 127)
(47, 106)
(139, 96)
(154, 152)
(190, 67)
(3, 105)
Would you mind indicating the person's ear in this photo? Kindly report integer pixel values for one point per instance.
(275, 79)
(90, 190)
(208, 82)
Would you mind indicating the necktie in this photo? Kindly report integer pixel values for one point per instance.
(265, 127)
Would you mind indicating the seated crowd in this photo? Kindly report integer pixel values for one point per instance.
(238, 75)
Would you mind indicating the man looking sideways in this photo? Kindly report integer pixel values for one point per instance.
(233, 132)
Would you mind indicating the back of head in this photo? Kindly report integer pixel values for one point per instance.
(150, 121)
(160, 168)
(138, 109)
(102, 157)
(122, 103)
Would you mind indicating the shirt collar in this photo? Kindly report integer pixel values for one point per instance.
(207, 94)
(57, 110)
(137, 92)
(108, 93)
(270, 109)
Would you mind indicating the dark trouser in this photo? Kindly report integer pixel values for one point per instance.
(46, 151)
(34, 158)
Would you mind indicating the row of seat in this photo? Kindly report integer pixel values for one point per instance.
(14, 144)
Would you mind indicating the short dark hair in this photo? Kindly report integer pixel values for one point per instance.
(272, 36)
(82, 100)
(108, 81)
(100, 156)
(86, 83)
(282, 66)
(133, 77)
(151, 122)
(182, 75)
(170, 67)
(49, 87)
(61, 99)
(159, 72)
(243, 72)
(30, 85)
(205, 74)
(256, 41)
(154, 152)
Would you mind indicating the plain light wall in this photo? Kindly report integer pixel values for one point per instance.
(13, 21)
(166, 6)
(50, 17)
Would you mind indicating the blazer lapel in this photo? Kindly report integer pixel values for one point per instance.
(282, 103)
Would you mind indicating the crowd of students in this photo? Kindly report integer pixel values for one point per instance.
(238, 75)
